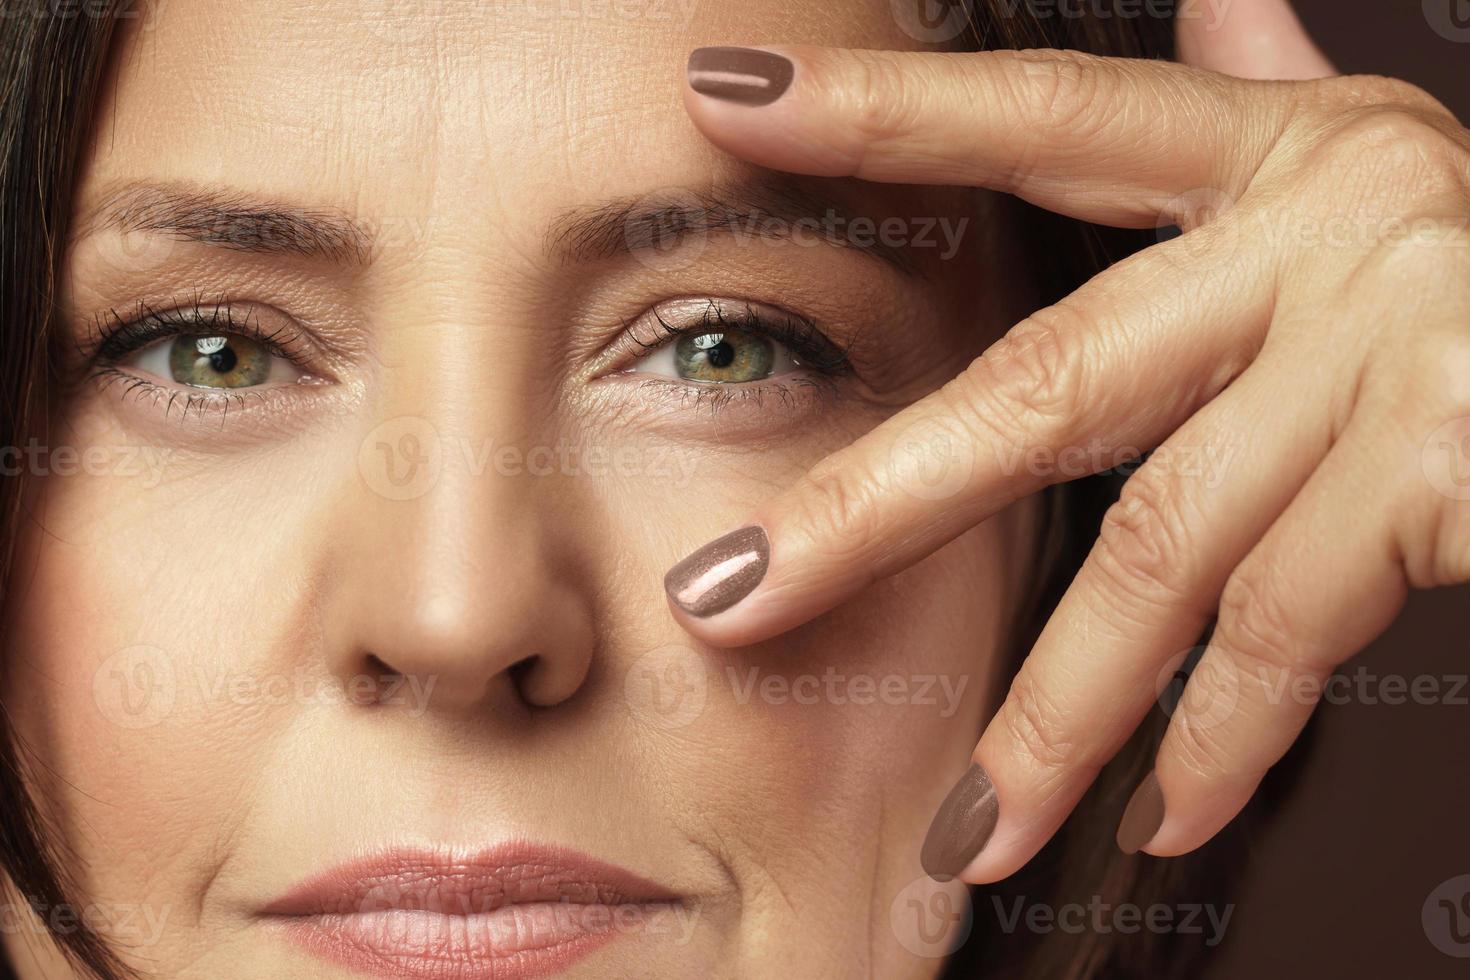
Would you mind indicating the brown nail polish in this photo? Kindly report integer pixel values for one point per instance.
(721, 573)
(1143, 816)
(745, 76)
(963, 824)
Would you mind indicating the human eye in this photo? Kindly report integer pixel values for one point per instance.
(716, 349)
(197, 357)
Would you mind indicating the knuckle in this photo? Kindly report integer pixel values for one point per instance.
(1440, 358)
(1027, 718)
(1434, 545)
(1439, 256)
(1417, 257)
(837, 509)
(882, 104)
(1033, 381)
(1427, 387)
(1144, 542)
(1203, 748)
(1398, 145)
(1253, 621)
(1370, 90)
(1447, 360)
(1063, 86)
(1409, 283)
(1441, 555)
(1428, 407)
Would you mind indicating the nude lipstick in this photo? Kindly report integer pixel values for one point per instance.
(510, 913)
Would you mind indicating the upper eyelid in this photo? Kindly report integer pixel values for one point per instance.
(106, 341)
(674, 317)
(779, 325)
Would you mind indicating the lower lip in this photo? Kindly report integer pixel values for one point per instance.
(390, 920)
(514, 943)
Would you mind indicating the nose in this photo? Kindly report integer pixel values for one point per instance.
(466, 585)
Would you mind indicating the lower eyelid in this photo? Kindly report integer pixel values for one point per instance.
(793, 394)
(173, 402)
(138, 388)
(755, 417)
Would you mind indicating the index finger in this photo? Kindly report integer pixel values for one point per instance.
(1110, 367)
(1108, 140)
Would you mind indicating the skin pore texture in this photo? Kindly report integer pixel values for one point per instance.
(408, 596)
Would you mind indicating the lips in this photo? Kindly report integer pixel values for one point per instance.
(511, 913)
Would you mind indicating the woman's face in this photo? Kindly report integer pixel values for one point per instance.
(413, 344)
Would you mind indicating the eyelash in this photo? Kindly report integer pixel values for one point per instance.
(115, 336)
(807, 343)
(826, 360)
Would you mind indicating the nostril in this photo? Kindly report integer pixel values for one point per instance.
(547, 680)
(520, 675)
(373, 683)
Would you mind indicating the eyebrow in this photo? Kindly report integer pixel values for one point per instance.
(746, 211)
(231, 220)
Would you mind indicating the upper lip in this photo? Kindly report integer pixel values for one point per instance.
(460, 883)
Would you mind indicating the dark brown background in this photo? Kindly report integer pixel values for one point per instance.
(1378, 817)
(1393, 37)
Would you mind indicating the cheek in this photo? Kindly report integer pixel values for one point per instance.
(129, 644)
(813, 763)
(821, 756)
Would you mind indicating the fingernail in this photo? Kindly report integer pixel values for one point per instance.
(1143, 816)
(721, 573)
(963, 824)
(745, 76)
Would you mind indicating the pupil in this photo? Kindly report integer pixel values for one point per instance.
(720, 355)
(223, 360)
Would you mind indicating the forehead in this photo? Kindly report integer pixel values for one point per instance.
(430, 106)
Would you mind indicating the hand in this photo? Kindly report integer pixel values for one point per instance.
(1325, 362)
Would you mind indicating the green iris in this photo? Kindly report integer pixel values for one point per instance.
(227, 361)
(729, 356)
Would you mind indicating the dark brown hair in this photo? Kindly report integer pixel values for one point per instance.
(52, 60)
